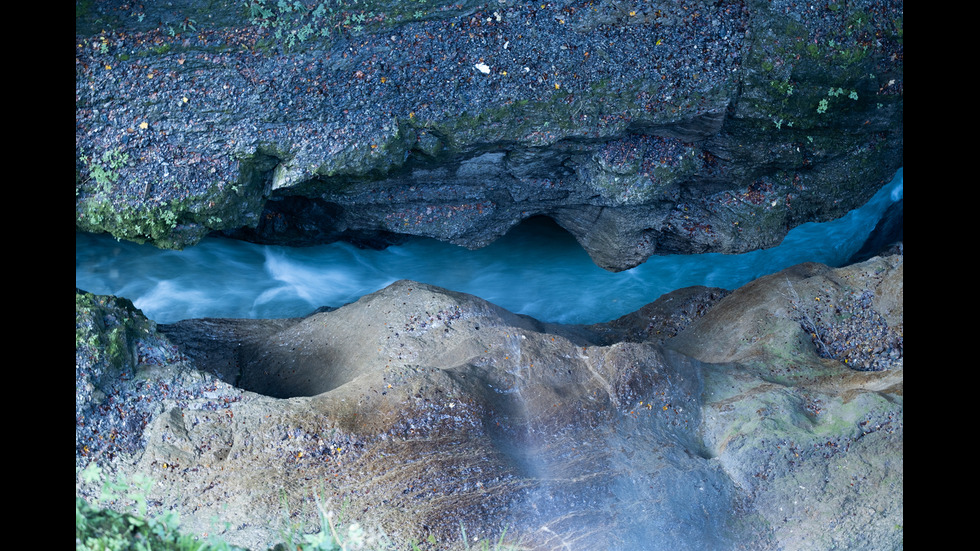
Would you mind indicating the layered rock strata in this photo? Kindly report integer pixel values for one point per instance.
(641, 127)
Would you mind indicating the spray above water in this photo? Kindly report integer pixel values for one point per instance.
(537, 269)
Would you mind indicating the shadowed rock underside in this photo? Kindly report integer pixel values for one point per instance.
(641, 127)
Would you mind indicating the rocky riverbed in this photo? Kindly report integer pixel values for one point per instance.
(709, 419)
(767, 417)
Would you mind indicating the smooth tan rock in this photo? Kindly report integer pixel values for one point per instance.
(706, 420)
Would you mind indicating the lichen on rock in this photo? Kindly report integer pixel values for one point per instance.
(224, 117)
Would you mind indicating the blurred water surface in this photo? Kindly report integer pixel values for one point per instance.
(537, 269)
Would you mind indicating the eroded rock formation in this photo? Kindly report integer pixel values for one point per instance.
(706, 420)
(680, 126)
(769, 417)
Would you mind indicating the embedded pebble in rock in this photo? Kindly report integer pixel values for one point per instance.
(861, 339)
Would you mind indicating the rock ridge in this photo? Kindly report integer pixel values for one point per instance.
(707, 419)
(661, 127)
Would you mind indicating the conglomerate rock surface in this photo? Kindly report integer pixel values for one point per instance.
(708, 419)
(641, 127)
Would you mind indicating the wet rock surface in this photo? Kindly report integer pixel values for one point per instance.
(641, 127)
(887, 237)
(706, 420)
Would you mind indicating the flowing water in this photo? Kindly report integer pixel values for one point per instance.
(537, 269)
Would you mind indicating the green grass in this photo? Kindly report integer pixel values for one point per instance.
(103, 529)
(98, 527)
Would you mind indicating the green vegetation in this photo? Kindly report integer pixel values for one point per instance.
(824, 103)
(99, 527)
(102, 205)
(113, 343)
(483, 545)
(296, 22)
(105, 170)
(103, 529)
(797, 59)
(112, 197)
(82, 7)
(784, 87)
(100, 213)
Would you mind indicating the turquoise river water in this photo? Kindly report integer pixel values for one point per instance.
(537, 269)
